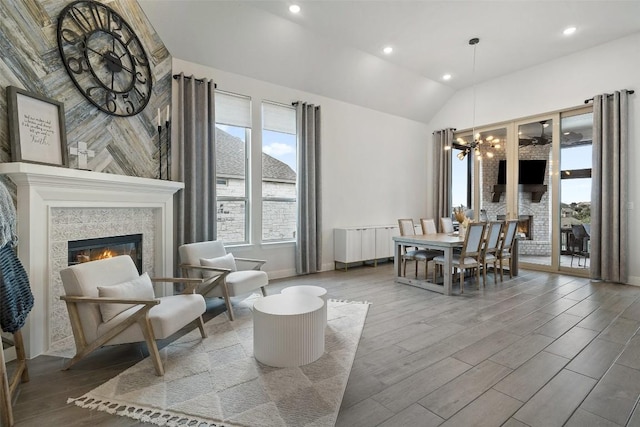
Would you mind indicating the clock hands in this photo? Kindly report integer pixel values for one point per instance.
(114, 64)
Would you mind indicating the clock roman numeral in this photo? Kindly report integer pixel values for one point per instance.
(83, 23)
(97, 16)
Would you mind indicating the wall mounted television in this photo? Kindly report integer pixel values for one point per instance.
(530, 172)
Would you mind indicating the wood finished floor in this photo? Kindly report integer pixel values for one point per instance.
(537, 350)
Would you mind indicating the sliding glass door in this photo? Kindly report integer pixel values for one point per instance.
(536, 170)
(535, 201)
(575, 189)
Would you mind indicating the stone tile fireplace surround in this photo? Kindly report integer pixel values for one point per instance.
(56, 205)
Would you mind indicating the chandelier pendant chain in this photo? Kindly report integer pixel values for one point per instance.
(474, 42)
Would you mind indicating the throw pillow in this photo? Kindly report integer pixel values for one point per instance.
(140, 288)
(227, 261)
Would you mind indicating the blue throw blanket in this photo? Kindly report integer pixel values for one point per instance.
(16, 299)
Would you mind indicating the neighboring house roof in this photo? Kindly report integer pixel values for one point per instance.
(231, 161)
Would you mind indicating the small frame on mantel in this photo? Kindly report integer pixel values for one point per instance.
(36, 128)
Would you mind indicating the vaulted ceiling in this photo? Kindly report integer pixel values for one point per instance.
(334, 48)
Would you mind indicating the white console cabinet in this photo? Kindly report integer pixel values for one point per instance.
(360, 244)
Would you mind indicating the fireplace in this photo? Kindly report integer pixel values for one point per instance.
(525, 226)
(106, 247)
(57, 205)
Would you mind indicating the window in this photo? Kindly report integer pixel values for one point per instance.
(279, 172)
(460, 179)
(233, 137)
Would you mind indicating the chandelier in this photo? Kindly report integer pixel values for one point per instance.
(473, 146)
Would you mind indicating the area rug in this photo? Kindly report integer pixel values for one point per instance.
(217, 381)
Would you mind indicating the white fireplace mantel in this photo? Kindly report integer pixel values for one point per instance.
(41, 188)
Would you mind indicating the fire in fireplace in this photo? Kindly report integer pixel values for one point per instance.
(106, 247)
(525, 226)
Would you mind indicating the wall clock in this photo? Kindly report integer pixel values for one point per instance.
(104, 57)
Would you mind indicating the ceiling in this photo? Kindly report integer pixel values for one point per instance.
(334, 48)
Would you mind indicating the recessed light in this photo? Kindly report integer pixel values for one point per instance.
(446, 77)
(569, 31)
(387, 50)
(294, 8)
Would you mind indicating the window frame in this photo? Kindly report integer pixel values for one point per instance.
(246, 199)
(264, 198)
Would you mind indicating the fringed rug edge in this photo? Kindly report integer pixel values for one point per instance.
(144, 414)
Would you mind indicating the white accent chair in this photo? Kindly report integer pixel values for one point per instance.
(209, 261)
(109, 303)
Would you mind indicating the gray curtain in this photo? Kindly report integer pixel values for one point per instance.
(309, 230)
(609, 188)
(442, 172)
(195, 207)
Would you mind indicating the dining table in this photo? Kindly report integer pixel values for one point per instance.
(445, 242)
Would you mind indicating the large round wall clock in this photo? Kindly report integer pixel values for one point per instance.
(104, 57)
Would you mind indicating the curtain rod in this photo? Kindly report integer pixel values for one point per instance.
(177, 76)
(629, 91)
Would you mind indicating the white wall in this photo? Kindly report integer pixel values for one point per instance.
(373, 164)
(557, 85)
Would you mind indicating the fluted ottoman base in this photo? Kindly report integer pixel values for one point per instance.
(288, 330)
(315, 291)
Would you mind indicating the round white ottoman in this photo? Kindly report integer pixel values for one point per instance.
(315, 291)
(288, 330)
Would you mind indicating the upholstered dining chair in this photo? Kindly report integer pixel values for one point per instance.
(428, 226)
(506, 247)
(491, 247)
(225, 275)
(410, 253)
(110, 303)
(446, 225)
(470, 255)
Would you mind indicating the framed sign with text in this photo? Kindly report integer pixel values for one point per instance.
(36, 128)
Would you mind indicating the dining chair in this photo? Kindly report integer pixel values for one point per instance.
(410, 253)
(470, 255)
(428, 226)
(491, 247)
(506, 246)
(446, 225)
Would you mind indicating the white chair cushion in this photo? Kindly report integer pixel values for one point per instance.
(227, 261)
(456, 260)
(166, 318)
(490, 258)
(241, 282)
(140, 288)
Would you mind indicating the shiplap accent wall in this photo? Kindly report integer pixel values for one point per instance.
(30, 60)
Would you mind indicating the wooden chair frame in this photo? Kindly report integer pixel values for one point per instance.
(489, 254)
(9, 386)
(506, 247)
(140, 316)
